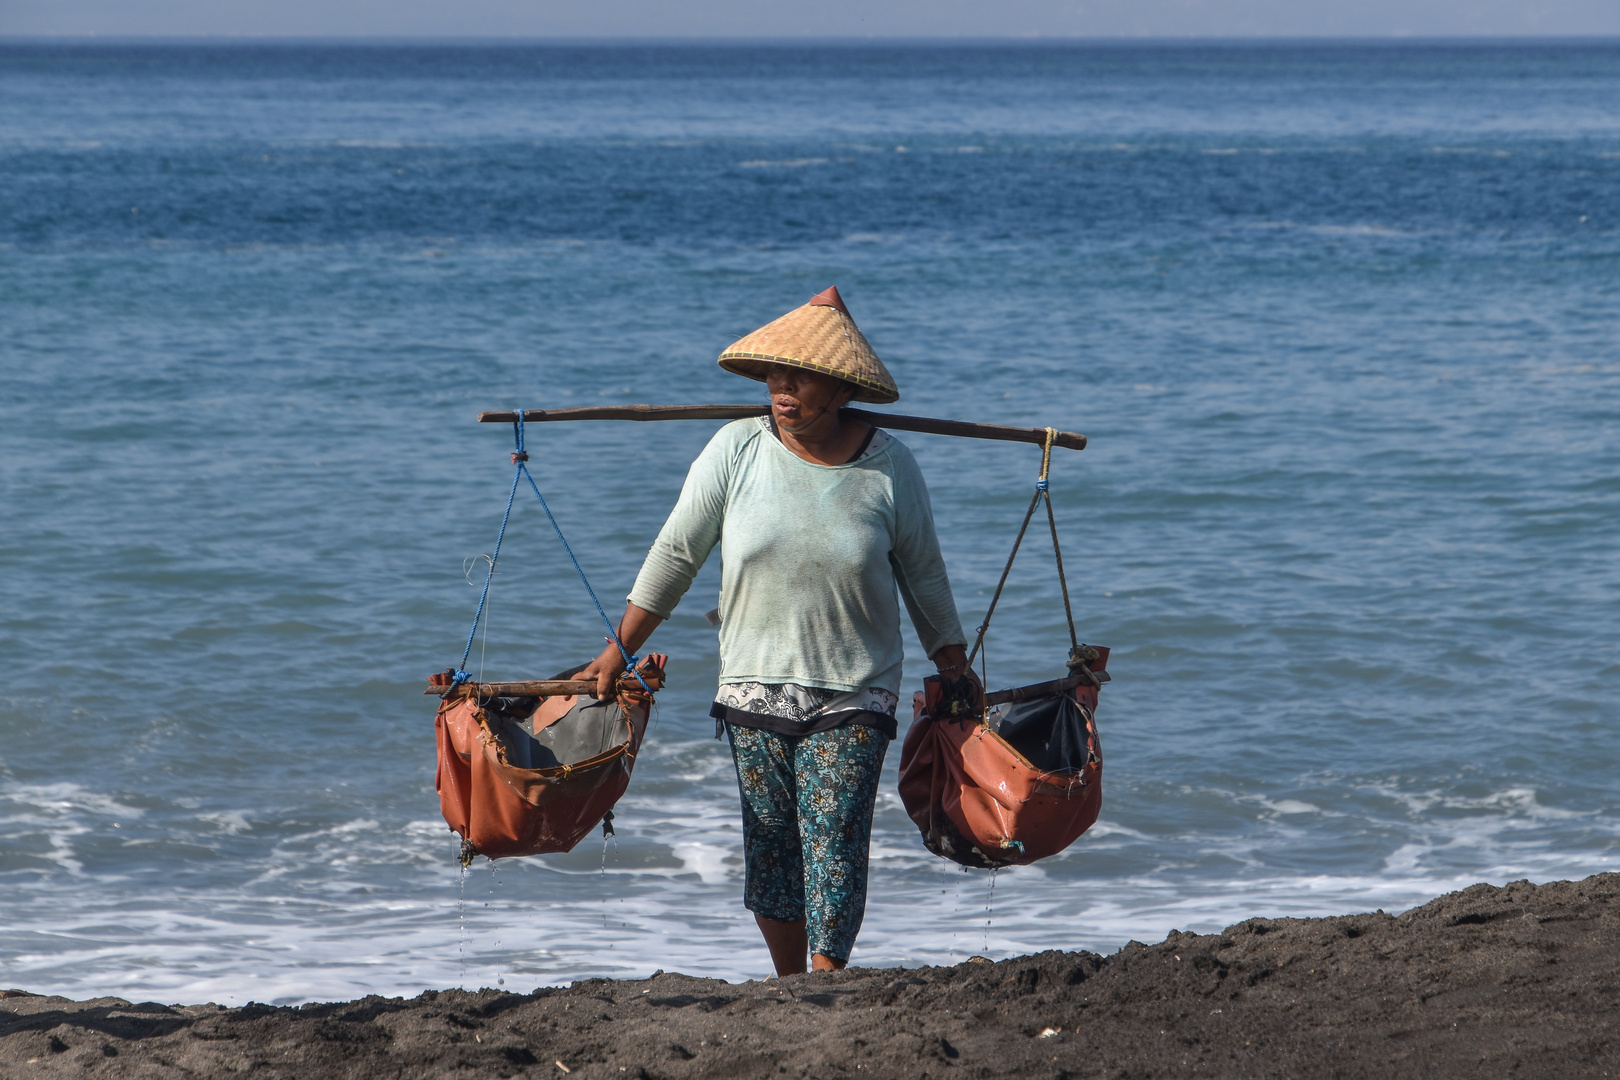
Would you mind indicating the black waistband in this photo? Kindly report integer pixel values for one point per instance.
(782, 725)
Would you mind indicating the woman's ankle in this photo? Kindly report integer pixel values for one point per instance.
(787, 943)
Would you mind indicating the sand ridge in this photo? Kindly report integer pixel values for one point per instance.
(1521, 981)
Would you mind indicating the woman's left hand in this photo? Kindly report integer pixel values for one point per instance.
(963, 696)
(951, 662)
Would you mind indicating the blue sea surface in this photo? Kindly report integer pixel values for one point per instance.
(1342, 323)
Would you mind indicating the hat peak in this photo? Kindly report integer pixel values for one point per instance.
(829, 298)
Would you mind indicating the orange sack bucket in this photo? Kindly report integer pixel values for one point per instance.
(1010, 786)
(527, 775)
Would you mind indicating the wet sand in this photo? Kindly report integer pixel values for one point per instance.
(1520, 981)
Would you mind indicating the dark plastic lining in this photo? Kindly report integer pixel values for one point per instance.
(586, 730)
(1049, 731)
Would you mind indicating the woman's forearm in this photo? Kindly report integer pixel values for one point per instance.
(634, 630)
(636, 627)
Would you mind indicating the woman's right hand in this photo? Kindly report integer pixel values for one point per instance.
(605, 670)
(634, 630)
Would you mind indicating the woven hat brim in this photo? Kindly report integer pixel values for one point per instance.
(757, 365)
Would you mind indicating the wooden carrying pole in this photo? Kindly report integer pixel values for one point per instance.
(1045, 689)
(541, 687)
(961, 428)
(531, 688)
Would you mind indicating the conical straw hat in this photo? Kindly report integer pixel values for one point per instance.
(820, 336)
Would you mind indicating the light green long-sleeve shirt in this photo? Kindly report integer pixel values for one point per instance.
(814, 559)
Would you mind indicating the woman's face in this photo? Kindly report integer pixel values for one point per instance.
(800, 398)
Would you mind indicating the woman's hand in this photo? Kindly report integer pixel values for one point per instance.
(605, 670)
(962, 695)
(634, 630)
(951, 661)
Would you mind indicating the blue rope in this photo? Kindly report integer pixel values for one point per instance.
(461, 675)
(629, 660)
(520, 458)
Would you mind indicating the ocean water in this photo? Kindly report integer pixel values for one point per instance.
(1341, 322)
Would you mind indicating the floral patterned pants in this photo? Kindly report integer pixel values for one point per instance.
(807, 827)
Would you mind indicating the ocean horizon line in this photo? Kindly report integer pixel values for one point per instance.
(799, 41)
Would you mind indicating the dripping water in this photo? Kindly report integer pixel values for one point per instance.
(608, 833)
(606, 836)
(464, 857)
(990, 898)
(461, 940)
(494, 881)
(956, 909)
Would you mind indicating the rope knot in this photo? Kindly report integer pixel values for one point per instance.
(519, 455)
(630, 659)
(459, 676)
(1043, 484)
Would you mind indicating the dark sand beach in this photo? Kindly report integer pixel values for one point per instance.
(1520, 981)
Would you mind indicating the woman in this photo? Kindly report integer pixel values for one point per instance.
(822, 521)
